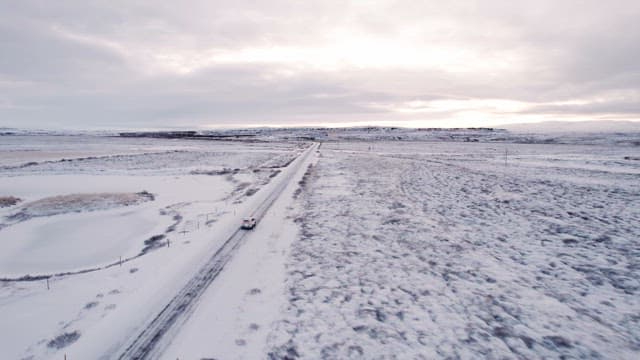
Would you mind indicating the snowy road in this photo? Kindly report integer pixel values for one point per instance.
(153, 339)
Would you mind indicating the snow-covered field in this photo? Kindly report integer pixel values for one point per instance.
(381, 249)
(107, 229)
(444, 250)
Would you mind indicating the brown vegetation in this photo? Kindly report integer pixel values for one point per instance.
(6, 201)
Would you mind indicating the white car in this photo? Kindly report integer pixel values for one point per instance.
(248, 223)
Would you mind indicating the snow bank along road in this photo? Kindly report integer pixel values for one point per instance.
(151, 341)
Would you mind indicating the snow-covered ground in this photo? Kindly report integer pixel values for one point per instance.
(505, 247)
(444, 250)
(108, 229)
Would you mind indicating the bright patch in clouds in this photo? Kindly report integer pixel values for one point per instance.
(347, 49)
(435, 106)
(370, 53)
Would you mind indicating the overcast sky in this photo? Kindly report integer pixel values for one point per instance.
(139, 64)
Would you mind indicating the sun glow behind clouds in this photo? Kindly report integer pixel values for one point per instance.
(369, 53)
(345, 50)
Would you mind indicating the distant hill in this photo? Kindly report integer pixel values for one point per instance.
(574, 127)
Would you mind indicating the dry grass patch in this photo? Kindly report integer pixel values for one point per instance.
(6, 201)
(63, 204)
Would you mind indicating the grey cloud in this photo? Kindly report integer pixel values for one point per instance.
(31, 51)
(223, 95)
